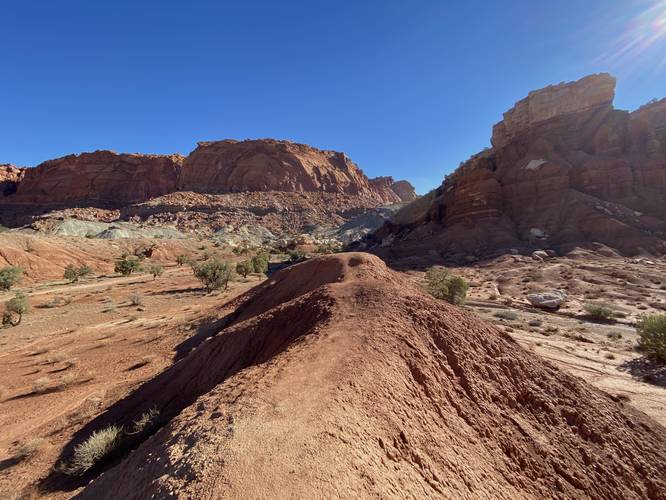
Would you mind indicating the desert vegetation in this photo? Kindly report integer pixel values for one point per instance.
(10, 276)
(91, 451)
(73, 273)
(126, 266)
(652, 332)
(599, 312)
(214, 274)
(15, 308)
(156, 269)
(442, 285)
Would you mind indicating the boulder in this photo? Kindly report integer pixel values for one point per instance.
(547, 300)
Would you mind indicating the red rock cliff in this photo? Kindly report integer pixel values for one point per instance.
(565, 169)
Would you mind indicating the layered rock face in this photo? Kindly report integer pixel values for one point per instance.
(269, 165)
(10, 176)
(102, 177)
(565, 169)
(107, 179)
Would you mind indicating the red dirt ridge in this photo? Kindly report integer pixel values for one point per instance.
(339, 378)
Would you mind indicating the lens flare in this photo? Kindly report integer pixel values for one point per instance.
(642, 41)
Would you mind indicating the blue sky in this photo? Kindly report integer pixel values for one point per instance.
(405, 88)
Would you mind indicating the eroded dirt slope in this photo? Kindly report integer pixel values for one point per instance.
(338, 377)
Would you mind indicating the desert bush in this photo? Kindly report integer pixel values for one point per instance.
(442, 285)
(599, 312)
(29, 449)
(652, 331)
(182, 259)
(508, 315)
(156, 270)
(135, 299)
(244, 268)
(145, 421)
(73, 273)
(15, 308)
(10, 276)
(41, 385)
(126, 266)
(260, 263)
(296, 256)
(213, 274)
(93, 450)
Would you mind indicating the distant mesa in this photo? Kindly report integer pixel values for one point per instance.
(566, 169)
(108, 179)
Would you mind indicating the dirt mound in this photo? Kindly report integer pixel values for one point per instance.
(565, 169)
(339, 378)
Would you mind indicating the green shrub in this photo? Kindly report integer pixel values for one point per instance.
(599, 312)
(127, 266)
(182, 259)
(296, 256)
(442, 285)
(156, 270)
(15, 308)
(213, 274)
(93, 450)
(244, 268)
(652, 332)
(10, 276)
(260, 262)
(73, 273)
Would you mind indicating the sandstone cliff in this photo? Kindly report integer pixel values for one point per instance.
(102, 177)
(108, 179)
(565, 169)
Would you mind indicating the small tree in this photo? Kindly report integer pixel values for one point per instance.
(440, 284)
(244, 268)
(10, 276)
(260, 263)
(73, 273)
(126, 266)
(156, 270)
(652, 332)
(182, 259)
(213, 274)
(15, 308)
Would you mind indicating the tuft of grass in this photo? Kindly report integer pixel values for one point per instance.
(145, 421)
(507, 315)
(94, 449)
(29, 449)
(135, 299)
(41, 385)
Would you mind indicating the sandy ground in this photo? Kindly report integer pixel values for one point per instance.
(63, 365)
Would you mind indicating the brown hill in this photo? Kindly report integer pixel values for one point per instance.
(10, 176)
(565, 169)
(337, 378)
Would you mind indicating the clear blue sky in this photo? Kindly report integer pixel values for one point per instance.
(406, 88)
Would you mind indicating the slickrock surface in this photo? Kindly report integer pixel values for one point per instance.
(339, 378)
(565, 169)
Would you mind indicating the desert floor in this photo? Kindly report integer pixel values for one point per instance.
(85, 345)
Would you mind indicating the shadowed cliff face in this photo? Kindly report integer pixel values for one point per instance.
(108, 179)
(565, 169)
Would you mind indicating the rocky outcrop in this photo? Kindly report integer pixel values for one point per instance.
(565, 169)
(102, 177)
(270, 165)
(108, 179)
(389, 189)
(10, 176)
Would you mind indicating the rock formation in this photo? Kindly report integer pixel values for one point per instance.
(101, 178)
(284, 175)
(565, 169)
(10, 176)
(269, 165)
(339, 378)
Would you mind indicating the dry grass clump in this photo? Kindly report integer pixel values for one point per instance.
(91, 451)
(29, 449)
(145, 421)
(41, 385)
(507, 315)
(135, 299)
